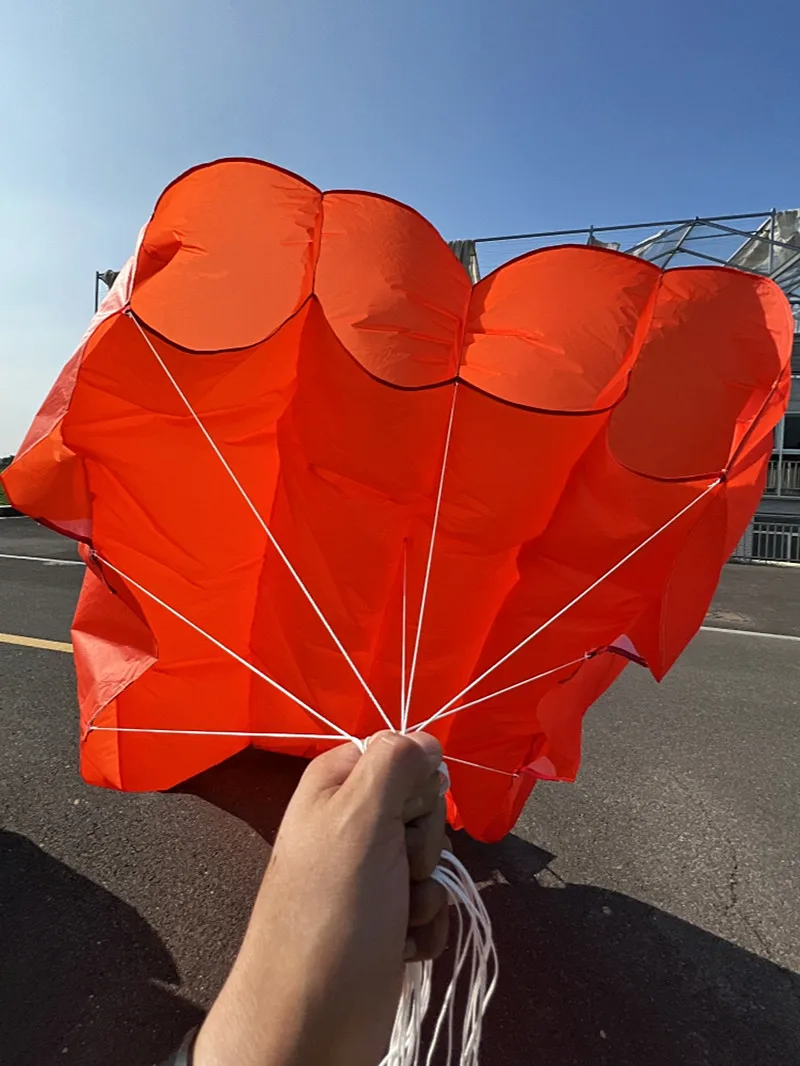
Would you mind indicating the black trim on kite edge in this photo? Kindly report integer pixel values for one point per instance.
(456, 380)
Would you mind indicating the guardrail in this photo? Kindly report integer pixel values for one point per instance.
(783, 478)
(769, 542)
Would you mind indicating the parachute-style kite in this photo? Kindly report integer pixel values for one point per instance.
(326, 485)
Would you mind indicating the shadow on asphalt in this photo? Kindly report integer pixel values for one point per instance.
(591, 977)
(253, 785)
(83, 978)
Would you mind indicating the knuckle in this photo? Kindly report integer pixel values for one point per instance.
(397, 748)
(431, 939)
(432, 898)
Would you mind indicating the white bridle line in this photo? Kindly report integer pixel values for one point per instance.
(223, 647)
(243, 493)
(499, 692)
(217, 733)
(429, 562)
(358, 741)
(403, 640)
(580, 596)
(480, 766)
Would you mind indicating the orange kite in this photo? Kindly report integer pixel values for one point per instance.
(327, 486)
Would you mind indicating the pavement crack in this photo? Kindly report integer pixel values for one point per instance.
(733, 876)
(548, 878)
(732, 905)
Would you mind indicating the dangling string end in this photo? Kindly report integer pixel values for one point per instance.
(475, 957)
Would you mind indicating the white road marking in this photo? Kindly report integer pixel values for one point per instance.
(46, 561)
(749, 633)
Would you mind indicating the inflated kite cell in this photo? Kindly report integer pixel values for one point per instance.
(325, 483)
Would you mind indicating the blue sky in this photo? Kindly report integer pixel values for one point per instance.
(489, 118)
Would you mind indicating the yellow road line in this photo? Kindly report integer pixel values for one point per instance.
(35, 642)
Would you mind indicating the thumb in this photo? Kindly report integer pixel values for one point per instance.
(394, 768)
(330, 770)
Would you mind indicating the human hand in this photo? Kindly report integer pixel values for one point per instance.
(346, 900)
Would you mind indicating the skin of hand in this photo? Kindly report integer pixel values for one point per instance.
(346, 900)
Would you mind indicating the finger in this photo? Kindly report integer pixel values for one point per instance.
(393, 769)
(426, 899)
(428, 941)
(424, 800)
(425, 841)
(328, 771)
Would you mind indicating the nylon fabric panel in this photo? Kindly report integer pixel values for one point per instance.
(49, 484)
(713, 349)
(498, 494)
(153, 476)
(228, 255)
(661, 634)
(570, 348)
(392, 291)
(354, 476)
(489, 802)
(113, 646)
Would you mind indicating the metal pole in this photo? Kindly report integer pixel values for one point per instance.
(633, 225)
(671, 255)
(710, 258)
(750, 236)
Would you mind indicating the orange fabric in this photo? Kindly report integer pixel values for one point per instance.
(320, 339)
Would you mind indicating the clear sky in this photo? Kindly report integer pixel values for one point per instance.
(489, 116)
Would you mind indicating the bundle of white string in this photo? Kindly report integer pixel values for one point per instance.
(475, 960)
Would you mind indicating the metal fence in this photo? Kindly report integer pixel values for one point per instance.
(769, 542)
(783, 478)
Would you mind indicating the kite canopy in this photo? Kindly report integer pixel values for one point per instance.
(324, 482)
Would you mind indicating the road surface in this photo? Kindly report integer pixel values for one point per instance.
(646, 916)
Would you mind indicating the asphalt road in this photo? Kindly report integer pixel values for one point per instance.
(647, 915)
